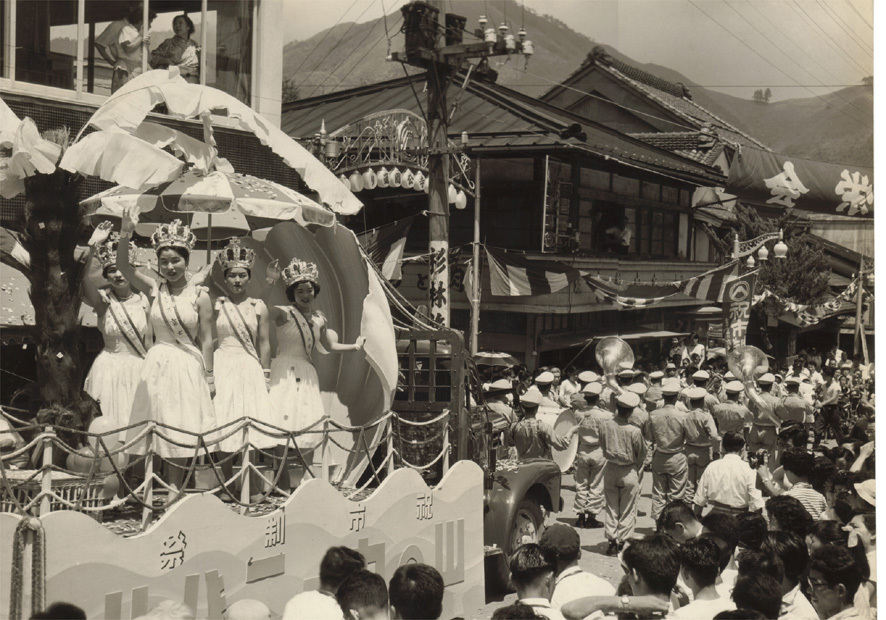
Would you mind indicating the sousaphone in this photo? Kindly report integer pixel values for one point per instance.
(610, 353)
(747, 363)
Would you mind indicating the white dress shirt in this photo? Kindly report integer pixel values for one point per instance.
(574, 583)
(729, 481)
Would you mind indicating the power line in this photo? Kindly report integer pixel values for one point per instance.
(305, 59)
(835, 17)
(769, 62)
(857, 12)
(835, 46)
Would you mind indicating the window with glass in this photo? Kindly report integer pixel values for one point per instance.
(210, 41)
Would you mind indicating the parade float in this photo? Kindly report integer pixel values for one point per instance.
(407, 467)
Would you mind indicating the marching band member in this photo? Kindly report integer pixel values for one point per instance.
(589, 461)
(123, 323)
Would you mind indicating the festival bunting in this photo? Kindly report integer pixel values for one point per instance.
(709, 285)
(385, 245)
(630, 295)
(511, 275)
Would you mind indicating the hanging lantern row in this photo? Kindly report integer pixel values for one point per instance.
(369, 179)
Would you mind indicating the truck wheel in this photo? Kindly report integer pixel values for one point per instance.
(528, 524)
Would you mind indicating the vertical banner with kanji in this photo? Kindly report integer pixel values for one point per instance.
(738, 297)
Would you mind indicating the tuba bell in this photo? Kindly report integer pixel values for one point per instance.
(747, 363)
(610, 353)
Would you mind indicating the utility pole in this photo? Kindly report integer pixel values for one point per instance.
(442, 58)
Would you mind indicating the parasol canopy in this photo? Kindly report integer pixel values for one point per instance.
(493, 358)
(215, 192)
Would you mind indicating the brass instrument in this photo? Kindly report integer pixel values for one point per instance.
(610, 353)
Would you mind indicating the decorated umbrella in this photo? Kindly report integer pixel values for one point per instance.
(220, 191)
(491, 358)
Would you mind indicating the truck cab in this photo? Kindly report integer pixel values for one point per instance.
(442, 410)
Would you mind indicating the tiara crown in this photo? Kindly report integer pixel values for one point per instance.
(107, 251)
(235, 255)
(300, 271)
(173, 235)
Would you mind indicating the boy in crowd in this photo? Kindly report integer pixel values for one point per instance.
(798, 466)
(759, 592)
(337, 564)
(363, 595)
(651, 566)
(533, 577)
(561, 546)
(416, 592)
(678, 521)
(794, 556)
(787, 514)
(699, 568)
(834, 578)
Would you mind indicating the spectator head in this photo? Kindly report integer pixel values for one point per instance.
(794, 556)
(732, 442)
(834, 578)
(793, 435)
(787, 514)
(337, 564)
(531, 572)
(248, 609)
(762, 562)
(652, 564)
(751, 530)
(798, 465)
(363, 595)
(759, 592)
(678, 521)
(561, 546)
(825, 532)
(723, 548)
(517, 611)
(823, 469)
(416, 591)
(740, 614)
(722, 526)
(60, 611)
(699, 563)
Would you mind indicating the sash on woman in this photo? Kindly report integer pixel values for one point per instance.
(305, 328)
(125, 324)
(238, 323)
(173, 320)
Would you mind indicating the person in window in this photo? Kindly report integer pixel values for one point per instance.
(617, 235)
(179, 51)
(106, 42)
(130, 46)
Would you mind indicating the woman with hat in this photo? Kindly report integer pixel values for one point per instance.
(295, 388)
(123, 322)
(177, 383)
(243, 353)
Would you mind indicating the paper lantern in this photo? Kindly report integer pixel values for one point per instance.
(383, 177)
(356, 181)
(408, 179)
(461, 200)
(370, 180)
(452, 194)
(395, 177)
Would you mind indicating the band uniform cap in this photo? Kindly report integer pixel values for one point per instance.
(625, 366)
(766, 379)
(545, 377)
(587, 376)
(793, 380)
(628, 399)
(626, 374)
(729, 376)
(670, 388)
(501, 384)
(594, 387)
(670, 366)
(577, 400)
(735, 387)
(701, 375)
(637, 388)
(560, 539)
(532, 397)
(656, 375)
(696, 393)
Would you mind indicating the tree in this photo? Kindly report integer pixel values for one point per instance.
(290, 90)
(758, 95)
(767, 95)
(868, 81)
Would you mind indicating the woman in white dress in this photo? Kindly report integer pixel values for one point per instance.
(295, 389)
(123, 323)
(177, 384)
(243, 353)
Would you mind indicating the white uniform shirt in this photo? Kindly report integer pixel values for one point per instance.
(729, 481)
(574, 583)
(313, 604)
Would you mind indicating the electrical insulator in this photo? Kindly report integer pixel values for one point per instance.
(510, 43)
(483, 21)
(528, 50)
(522, 34)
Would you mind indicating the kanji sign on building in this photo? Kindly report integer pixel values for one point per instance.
(738, 298)
(771, 178)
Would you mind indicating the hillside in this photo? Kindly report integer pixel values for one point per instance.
(837, 127)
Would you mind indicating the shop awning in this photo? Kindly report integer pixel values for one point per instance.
(565, 341)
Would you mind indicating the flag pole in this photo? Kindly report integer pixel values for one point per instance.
(475, 280)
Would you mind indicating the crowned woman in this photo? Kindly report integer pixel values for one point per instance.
(123, 323)
(295, 389)
(243, 355)
(176, 385)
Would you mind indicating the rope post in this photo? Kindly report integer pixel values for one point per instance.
(446, 447)
(46, 472)
(245, 473)
(147, 511)
(391, 445)
(324, 453)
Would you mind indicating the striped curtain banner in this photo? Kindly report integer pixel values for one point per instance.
(630, 295)
(511, 275)
(711, 284)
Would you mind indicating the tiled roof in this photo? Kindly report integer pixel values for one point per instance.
(698, 146)
(674, 97)
(495, 118)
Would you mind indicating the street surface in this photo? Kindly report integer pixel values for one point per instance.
(593, 542)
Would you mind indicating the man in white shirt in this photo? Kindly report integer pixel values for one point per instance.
(561, 545)
(729, 485)
(337, 564)
(794, 556)
(834, 578)
(652, 565)
(569, 386)
(533, 577)
(699, 567)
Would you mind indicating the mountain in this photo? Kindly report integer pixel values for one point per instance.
(837, 127)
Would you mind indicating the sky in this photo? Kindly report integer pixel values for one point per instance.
(798, 48)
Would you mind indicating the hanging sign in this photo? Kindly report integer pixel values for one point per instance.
(738, 298)
(788, 182)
